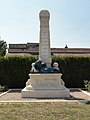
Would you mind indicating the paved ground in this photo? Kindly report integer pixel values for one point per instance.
(15, 96)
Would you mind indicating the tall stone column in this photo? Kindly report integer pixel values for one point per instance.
(45, 85)
(44, 44)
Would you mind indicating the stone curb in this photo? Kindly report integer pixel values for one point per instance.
(38, 101)
(85, 92)
(5, 92)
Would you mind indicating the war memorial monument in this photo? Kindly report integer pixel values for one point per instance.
(45, 81)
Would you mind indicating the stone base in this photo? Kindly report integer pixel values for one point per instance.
(45, 86)
(45, 93)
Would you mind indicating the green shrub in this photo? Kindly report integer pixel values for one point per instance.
(87, 84)
(3, 88)
(74, 69)
(14, 70)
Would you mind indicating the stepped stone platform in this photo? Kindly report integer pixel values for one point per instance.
(45, 86)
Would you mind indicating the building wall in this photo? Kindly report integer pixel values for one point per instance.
(33, 49)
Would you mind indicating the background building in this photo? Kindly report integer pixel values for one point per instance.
(33, 49)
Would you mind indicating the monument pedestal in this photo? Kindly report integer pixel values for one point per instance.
(45, 86)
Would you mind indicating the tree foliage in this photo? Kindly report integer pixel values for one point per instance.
(3, 47)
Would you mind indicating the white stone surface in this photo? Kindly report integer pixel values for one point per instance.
(45, 93)
(45, 86)
(44, 44)
(45, 81)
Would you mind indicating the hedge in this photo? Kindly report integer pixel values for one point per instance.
(14, 70)
(74, 69)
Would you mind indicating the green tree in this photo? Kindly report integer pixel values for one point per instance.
(3, 47)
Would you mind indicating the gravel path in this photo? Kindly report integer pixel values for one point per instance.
(15, 96)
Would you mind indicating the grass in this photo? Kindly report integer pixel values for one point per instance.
(44, 111)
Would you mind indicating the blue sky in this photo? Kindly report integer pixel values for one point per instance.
(69, 21)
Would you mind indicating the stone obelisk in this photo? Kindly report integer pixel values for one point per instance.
(45, 85)
(44, 44)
